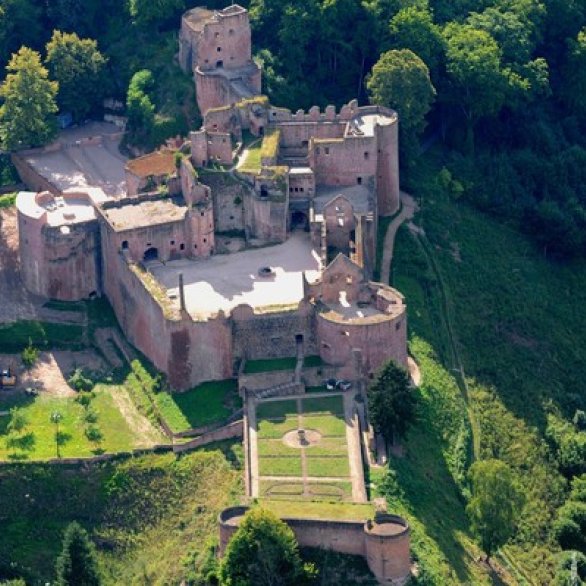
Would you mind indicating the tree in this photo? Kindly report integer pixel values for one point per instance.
(27, 115)
(56, 418)
(495, 504)
(400, 80)
(391, 404)
(475, 81)
(149, 12)
(18, 421)
(139, 108)
(30, 355)
(413, 28)
(20, 24)
(573, 88)
(78, 67)
(263, 552)
(77, 564)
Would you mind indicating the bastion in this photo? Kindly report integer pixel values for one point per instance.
(382, 541)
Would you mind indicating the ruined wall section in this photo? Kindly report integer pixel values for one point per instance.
(348, 161)
(209, 147)
(60, 265)
(272, 335)
(387, 173)
(229, 196)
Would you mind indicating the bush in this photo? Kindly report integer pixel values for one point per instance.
(80, 382)
(30, 355)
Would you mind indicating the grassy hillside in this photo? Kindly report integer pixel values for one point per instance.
(152, 517)
(482, 296)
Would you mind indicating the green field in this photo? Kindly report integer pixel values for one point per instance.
(208, 403)
(154, 517)
(38, 441)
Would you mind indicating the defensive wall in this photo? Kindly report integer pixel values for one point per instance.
(383, 542)
(57, 260)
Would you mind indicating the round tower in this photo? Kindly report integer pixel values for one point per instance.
(387, 548)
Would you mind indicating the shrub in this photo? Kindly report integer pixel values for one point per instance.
(79, 381)
(30, 355)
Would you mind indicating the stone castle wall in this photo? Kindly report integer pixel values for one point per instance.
(387, 552)
(272, 335)
(60, 265)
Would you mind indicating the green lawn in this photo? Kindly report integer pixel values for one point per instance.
(330, 492)
(210, 402)
(335, 466)
(41, 432)
(280, 465)
(270, 364)
(251, 163)
(333, 405)
(319, 510)
(275, 429)
(276, 409)
(327, 425)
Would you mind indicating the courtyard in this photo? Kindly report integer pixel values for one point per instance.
(224, 281)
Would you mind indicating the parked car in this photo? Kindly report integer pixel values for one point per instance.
(330, 384)
(343, 384)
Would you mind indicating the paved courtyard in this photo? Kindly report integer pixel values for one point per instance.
(224, 281)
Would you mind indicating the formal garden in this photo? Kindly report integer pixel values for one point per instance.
(304, 442)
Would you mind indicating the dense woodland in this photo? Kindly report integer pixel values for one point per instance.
(492, 98)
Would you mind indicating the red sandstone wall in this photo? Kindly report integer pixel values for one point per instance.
(212, 91)
(231, 35)
(343, 537)
(272, 335)
(56, 265)
(388, 169)
(378, 341)
(294, 134)
(188, 352)
(342, 162)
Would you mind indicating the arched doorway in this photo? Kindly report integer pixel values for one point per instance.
(151, 254)
(299, 221)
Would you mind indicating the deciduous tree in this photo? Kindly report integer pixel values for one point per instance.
(495, 505)
(78, 67)
(400, 80)
(263, 552)
(27, 117)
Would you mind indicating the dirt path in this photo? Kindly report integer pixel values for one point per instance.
(141, 427)
(407, 212)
